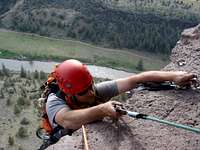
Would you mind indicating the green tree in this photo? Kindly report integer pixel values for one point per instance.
(2, 93)
(8, 102)
(24, 121)
(22, 132)
(1, 73)
(5, 70)
(17, 109)
(20, 148)
(21, 101)
(42, 75)
(22, 73)
(36, 75)
(11, 140)
(140, 65)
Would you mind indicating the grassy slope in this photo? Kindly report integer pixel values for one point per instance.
(38, 47)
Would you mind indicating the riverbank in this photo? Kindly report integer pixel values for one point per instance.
(26, 46)
(47, 67)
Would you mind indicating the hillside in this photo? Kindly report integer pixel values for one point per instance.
(19, 117)
(6, 5)
(148, 25)
(24, 46)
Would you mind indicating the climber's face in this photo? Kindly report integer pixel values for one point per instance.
(86, 96)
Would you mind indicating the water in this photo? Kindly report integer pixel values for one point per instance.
(96, 71)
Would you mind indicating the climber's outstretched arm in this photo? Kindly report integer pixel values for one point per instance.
(179, 77)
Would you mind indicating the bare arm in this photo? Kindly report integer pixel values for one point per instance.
(75, 118)
(129, 83)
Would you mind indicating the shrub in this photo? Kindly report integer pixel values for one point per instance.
(17, 109)
(5, 71)
(21, 101)
(36, 74)
(23, 72)
(25, 121)
(22, 132)
(20, 148)
(8, 102)
(11, 140)
(28, 76)
(1, 73)
(2, 93)
(8, 82)
(42, 75)
(140, 65)
(11, 91)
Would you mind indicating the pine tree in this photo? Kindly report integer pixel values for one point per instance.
(5, 70)
(140, 65)
(22, 73)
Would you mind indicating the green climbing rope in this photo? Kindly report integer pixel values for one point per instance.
(147, 117)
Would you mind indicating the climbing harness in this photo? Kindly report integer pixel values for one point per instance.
(49, 139)
(137, 115)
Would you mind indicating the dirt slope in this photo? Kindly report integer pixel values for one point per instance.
(182, 106)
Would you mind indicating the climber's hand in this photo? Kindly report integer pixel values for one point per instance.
(108, 109)
(182, 78)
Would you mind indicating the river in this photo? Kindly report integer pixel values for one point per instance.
(96, 71)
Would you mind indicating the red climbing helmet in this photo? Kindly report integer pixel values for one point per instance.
(73, 77)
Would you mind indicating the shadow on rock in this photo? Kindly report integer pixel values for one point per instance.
(113, 136)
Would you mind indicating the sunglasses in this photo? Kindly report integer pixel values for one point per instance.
(86, 91)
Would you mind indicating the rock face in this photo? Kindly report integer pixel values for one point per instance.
(181, 106)
(185, 56)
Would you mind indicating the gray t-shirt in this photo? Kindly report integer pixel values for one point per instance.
(106, 90)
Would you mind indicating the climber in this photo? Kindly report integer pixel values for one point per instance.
(74, 99)
(80, 101)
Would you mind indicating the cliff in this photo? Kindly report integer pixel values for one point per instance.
(181, 106)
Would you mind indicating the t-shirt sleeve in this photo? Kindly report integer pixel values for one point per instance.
(53, 105)
(107, 89)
